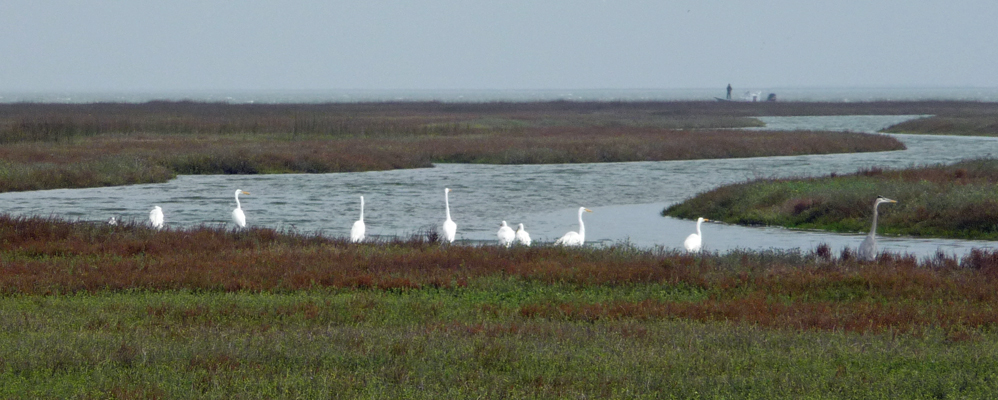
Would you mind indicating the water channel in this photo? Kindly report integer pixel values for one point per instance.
(626, 198)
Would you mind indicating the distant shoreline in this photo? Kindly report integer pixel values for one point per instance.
(49, 146)
(501, 95)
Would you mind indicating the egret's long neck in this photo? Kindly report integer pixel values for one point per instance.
(237, 201)
(361, 208)
(873, 229)
(699, 221)
(582, 226)
(447, 203)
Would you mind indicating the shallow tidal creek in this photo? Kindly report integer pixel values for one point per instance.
(626, 198)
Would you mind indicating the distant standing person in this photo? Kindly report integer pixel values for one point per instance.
(729, 91)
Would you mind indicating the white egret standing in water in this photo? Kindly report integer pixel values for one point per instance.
(868, 249)
(237, 215)
(156, 217)
(694, 242)
(522, 237)
(449, 227)
(357, 232)
(575, 238)
(505, 234)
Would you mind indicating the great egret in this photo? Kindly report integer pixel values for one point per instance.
(868, 249)
(357, 232)
(505, 234)
(237, 215)
(113, 221)
(522, 237)
(156, 217)
(449, 227)
(695, 240)
(575, 238)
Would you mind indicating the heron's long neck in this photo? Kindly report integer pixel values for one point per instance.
(582, 226)
(237, 201)
(447, 203)
(361, 208)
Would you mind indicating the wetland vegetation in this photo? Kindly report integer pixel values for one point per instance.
(954, 201)
(45, 146)
(99, 311)
(125, 311)
(968, 122)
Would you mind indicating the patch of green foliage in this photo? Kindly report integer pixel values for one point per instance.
(954, 201)
(447, 344)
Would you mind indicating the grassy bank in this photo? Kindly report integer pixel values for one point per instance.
(44, 146)
(980, 120)
(423, 344)
(127, 312)
(968, 125)
(953, 201)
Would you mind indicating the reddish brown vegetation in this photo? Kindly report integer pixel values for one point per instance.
(86, 145)
(42, 256)
(32, 121)
(571, 144)
(812, 291)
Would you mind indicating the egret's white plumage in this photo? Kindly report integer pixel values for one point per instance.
(112, 221)
(449, 227)
(238, 217)
(868, 249)
(575, 238)
(522, 237)
(505, 234)
(358, 230)
(694, 242)
(156, 217)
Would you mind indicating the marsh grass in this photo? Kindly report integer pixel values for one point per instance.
(46, 256)
(428, 345)
(46, 146)
(90, 310)
(956, 201)
(972, 124)
(974, 119)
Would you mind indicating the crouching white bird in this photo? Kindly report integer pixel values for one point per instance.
(357, 232)
(694, 242)
(506, 235)
(238, 217)
(156, 217)
(522, 237)
(575, 238)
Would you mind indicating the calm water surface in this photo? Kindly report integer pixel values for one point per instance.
(626, 197)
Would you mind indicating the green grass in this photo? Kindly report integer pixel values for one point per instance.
(953, 201)
(94, 311)
(433, 344)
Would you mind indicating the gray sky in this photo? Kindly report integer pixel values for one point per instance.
(521, 44)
